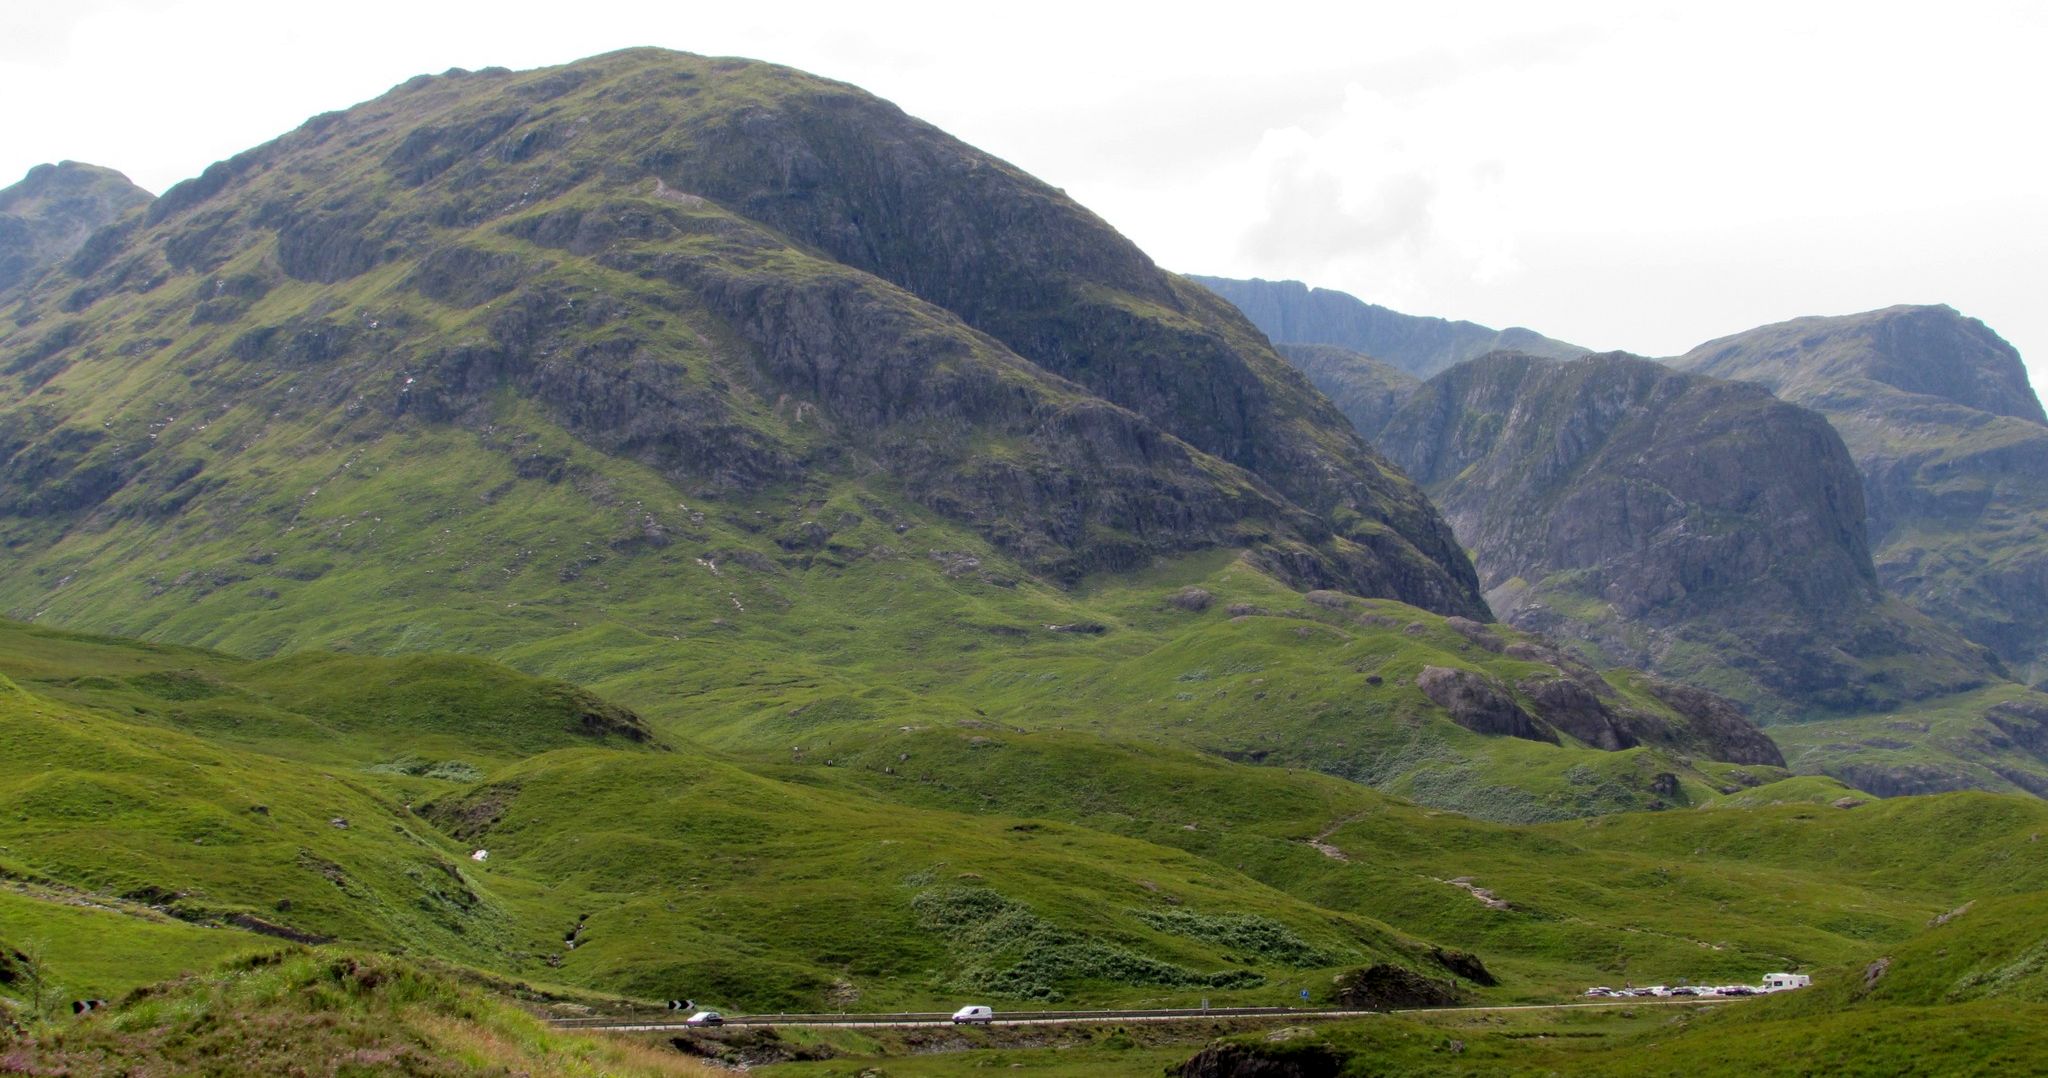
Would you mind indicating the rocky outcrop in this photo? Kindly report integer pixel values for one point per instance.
(1388, 987)
(1290, 312)
(1574, 709)
(1465, 964)
(1231, 1059)
(1477, 704)
(1690, 526)
(47, 217)
(1949, 439)
(1719, 723)
(1576, 703)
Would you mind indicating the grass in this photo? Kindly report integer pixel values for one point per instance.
(889, 864)
(99, 949)
(327, 1012)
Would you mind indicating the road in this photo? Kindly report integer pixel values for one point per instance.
(1056, 1018)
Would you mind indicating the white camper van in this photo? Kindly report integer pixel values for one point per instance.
(1781, 982)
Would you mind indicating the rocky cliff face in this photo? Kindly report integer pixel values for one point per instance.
(47, 216)
(1290, 312)
(745, 278)
(1950, 441)
(1698, 528)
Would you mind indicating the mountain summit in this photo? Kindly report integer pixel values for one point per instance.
(1927, 351)
(48, 215)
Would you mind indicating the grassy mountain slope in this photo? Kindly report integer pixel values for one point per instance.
(611, 862)
(1950, 438)
(1291, 313)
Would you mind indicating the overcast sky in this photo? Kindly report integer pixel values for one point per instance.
(1636, 175)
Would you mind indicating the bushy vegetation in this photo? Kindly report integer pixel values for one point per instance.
(1008, 951)
(1241, 932)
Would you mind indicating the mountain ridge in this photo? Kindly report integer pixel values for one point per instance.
(1290, 312)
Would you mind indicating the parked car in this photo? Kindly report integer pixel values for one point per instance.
(972, 1014)
(1603, 990)
(705, 1018)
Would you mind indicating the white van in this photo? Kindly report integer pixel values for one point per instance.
(975, 1013)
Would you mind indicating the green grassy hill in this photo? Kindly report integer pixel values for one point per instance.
(901, 864)
(1964, 995)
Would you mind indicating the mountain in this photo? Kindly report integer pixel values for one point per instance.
(1684, 524)
(47, 216)
(747, 279)
(1366, 390)
(1289, 312)
(1951, 442)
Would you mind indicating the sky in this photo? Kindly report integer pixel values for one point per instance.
(1643, 176)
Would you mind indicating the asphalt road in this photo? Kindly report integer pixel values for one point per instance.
(1055, 1018)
